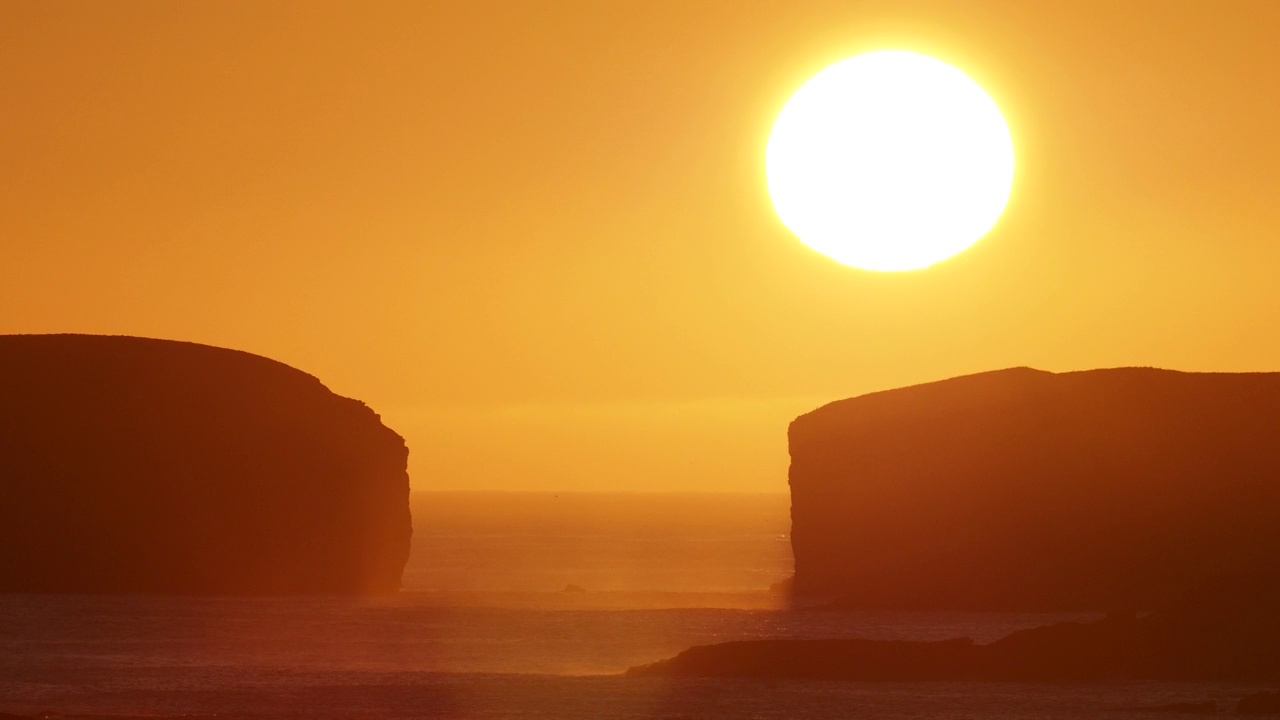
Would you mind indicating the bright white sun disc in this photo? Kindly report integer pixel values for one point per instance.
(889, 160)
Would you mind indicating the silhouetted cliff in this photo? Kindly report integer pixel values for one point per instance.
(1227, 631)
(1027, 490)
(130, 465)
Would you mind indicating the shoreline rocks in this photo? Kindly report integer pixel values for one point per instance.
(1229, 630)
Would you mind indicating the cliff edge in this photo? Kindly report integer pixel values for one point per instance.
(1028, 490)
(132, 465)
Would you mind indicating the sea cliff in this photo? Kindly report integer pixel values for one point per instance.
(1028, 490)
(133, 465)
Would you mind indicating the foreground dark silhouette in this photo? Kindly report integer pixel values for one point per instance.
(1263, 703)
(1027, 490)
(1230, 631)
(1207, 707)
(131, 465)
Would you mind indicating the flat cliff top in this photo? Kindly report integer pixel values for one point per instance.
(58, 354)
(997, 388)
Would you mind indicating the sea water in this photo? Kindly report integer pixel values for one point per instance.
(486, 629)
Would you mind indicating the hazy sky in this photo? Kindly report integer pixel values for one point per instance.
(535, 236)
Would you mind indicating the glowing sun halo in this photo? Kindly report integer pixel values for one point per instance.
(889, 160)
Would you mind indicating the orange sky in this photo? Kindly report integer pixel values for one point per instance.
(536, 236)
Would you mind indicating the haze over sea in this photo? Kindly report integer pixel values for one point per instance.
(486, 629)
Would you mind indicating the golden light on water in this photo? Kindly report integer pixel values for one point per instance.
(890, 161)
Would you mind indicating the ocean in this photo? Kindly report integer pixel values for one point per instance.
(485, 628)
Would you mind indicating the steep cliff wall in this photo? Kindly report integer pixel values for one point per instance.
(1022, 489)
(130, 465)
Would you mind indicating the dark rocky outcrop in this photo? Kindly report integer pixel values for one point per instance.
(1028, 490)
(1230, 631)
(1208, 707)
(1263, 703)
(852, 659)
(131, 465)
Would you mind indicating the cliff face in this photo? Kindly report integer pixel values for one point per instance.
(130, 465)
(1027, 490)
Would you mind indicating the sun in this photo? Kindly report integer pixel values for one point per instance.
(890, 161)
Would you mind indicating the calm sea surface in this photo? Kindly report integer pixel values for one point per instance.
(485, 629)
